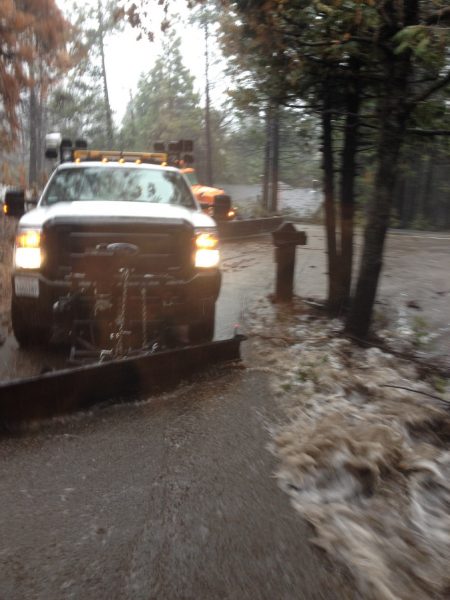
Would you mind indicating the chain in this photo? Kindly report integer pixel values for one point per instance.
(121, 333)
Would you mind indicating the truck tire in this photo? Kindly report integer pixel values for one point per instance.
(31, 327)
(202, 331)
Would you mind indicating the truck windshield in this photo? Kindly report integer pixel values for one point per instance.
(118, 183)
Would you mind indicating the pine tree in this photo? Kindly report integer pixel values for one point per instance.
(33, 52)
(166, 106)
(80, 105)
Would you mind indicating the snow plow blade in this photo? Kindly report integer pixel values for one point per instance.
(70, 390)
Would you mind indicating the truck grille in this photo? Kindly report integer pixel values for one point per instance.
(163, 247)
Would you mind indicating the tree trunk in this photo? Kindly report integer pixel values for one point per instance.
(393, 111)
(400, 197)
(40, 124)
(33, 133)
(267, 155)
(132, 115)
(275, 158)
(333, 304)
(425, 200)
(347, 192)
(208, 140)
(393, 114)
(108, 111)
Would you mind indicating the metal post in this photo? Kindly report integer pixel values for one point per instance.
(285, 258)
(286, 238)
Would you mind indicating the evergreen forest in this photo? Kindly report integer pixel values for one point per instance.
(352, 96)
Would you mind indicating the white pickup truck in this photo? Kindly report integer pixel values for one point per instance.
(116, 249)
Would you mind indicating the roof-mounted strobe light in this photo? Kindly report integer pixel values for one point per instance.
(187, 146)
(179, 153)
(58, 147)
(52, 145)
(78, 152)
(174, 147)
(66, 150)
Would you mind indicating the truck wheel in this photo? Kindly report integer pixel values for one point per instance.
(203, 330)
(30, 326)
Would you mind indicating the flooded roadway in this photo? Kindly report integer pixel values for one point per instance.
(413, 295)
(174, 497)
(248, 273)
(168, 498)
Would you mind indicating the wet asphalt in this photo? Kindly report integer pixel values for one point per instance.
(172, 497)
(175, 496)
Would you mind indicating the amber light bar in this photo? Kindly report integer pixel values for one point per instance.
(121, 157)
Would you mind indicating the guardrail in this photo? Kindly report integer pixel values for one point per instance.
(229, 230)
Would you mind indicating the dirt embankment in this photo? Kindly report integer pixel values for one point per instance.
(363, 452)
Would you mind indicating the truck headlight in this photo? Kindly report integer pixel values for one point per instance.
(28, 249)
(207, 252)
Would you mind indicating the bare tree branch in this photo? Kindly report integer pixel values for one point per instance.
(438, 85)
(439, 16)
(429, 132)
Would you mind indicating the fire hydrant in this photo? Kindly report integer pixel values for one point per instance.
(285, 240)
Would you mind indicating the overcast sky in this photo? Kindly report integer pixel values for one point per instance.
(127, 58)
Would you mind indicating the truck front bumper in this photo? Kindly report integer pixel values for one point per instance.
(166, 296)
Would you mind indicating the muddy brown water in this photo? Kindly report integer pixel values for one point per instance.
(169, 498)
(366, 462)
(175, 497)
(412, 302)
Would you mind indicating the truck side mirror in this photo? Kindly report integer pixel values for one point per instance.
(51, 153)
(14, 205)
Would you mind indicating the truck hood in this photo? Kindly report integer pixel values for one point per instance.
(104, 209)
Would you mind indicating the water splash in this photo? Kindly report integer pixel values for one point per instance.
(367, 465)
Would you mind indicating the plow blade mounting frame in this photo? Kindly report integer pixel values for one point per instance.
(70, 390)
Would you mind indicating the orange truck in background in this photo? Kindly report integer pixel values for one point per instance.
(213, 200)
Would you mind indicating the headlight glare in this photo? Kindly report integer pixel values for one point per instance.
(207, 253)
(28, 239)
(206, 259)
(28, 252)
(28, 258)
(207, 240)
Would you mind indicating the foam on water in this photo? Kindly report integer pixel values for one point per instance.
(367, 465)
